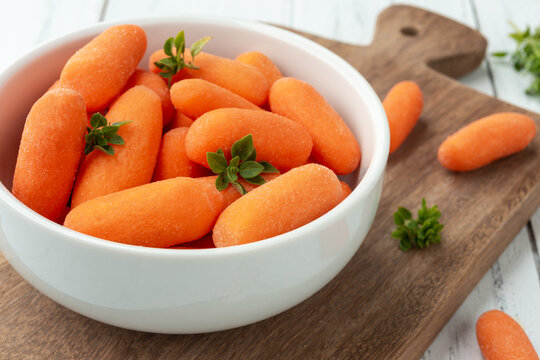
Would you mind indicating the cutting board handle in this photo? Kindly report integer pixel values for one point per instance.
(412, 34)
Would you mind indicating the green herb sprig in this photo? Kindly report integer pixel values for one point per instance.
(242, 164)
(175, 60)
(102, 135)
(527, 55)
(419, 233)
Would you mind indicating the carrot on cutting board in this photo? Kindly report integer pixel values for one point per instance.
(278, 140)
(501, 338)
(159, 214)
(486, 140)
(155, 83)
(195, 97)
(172, 160)
(101, 68)
(262, 63)
(51, 148)
(334, 145)
(403, 106)
(133, 163)
(284, 204)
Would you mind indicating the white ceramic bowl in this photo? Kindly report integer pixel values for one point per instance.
(192, 291)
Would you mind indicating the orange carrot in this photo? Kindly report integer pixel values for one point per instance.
(205, 242)
(345, 190)
(51, 147)
(242, 79)
(159, 214)
(403, 106)
(284, 204)
(160, 54)
(172, 160)
(102, 67)
(230, 194)
(55, 85)
(262, 63)
(195, 97)
(278, 140)
(133, 163)
(486, 140)
(334, 145)
(154, 82)
(179, 120)
(501, 338)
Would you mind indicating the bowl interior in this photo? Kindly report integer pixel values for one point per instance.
(27, 79)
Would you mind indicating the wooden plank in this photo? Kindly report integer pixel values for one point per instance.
(26, 23)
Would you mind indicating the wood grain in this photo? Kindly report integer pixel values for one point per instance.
(385, 304)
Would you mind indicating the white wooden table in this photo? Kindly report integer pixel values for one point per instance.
(512, 284)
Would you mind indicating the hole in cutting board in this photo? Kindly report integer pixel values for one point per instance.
(409, 31)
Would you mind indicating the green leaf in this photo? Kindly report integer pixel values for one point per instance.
(216, 162)
(121, 123)
(98, 120)
(197, 46)
(405, 213)
(499, 53)
(257, 180)
(220, 151)
(167, 47)
(268, 168)
(167, 62)
(243, 147)
(239, 188)
(107, 149)
(232, 174)
(116, 140)
(235, 161)
(250, 169)
(180, 42)
(398, 218)
(253, 156)
(221, 182)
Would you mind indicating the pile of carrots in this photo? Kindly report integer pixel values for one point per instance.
(157, 189)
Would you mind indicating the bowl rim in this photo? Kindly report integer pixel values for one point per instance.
(368, 182)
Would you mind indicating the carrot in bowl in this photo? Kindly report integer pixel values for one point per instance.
(486, 140)
(155, 83)
(334, 145)
(159, 214)
(51, 147)
(179, 120)
(172, 160)
(160, 54)
(278, 140)
(102, 67)
(403, 106)
(289, 201)
(501, 338)
(195, 97)
(133, 163)
(262, 63)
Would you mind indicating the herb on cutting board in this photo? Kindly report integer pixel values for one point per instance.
(242, 164)
(526, 56)
(102, 135)
(417, 233)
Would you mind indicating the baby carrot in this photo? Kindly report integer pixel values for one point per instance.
(284, 204)
(102, 67)
(334, 145)
(345, 190)
(486, 140)
(501, 338)
(133, 163)
(172, 160)
(179, 120)
(278, 140)
(205, 242)
(403, 105)
(195, 97)
(242, 79)
(55, 85)
(262, 63)
(51, 147)
(155, 83)
(159, 214)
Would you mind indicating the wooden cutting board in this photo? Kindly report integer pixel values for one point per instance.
(385, 304)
